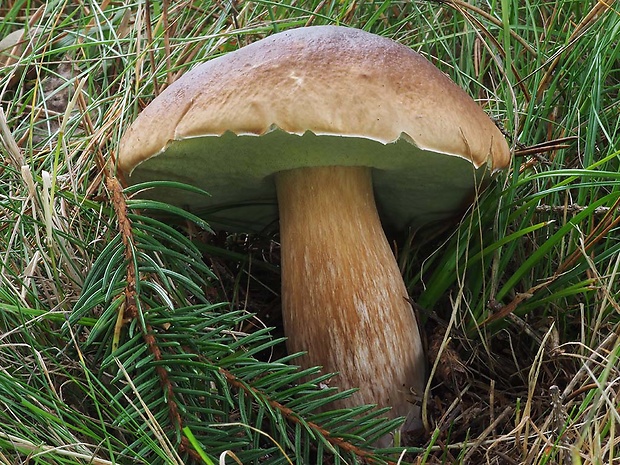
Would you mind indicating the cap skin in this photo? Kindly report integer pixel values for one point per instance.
(328, 80)
(338, 124)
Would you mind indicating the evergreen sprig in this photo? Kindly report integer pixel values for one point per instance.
(192, 364)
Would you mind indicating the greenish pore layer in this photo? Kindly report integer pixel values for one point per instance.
(412, 186)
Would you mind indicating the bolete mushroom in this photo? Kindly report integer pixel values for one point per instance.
(329, 120)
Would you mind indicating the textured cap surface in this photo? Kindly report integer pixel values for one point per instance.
(346, 84)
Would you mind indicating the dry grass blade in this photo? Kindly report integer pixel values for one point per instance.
(9, 143)
(37, 451)
(595, 14)
(546, 146)
(462, 6)
(490, 38)
(149, 418)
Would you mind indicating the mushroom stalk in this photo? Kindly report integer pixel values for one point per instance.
(344, 299)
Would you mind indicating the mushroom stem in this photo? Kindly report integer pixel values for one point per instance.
(343, 297)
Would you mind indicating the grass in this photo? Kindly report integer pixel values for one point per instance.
(520, 298)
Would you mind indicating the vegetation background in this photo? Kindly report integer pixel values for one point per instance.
(520, 298)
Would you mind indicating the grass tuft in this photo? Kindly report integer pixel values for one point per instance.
(127, 340)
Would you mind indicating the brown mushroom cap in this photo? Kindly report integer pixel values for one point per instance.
(316, 96)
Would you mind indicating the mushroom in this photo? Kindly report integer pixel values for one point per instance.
(333, 122)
